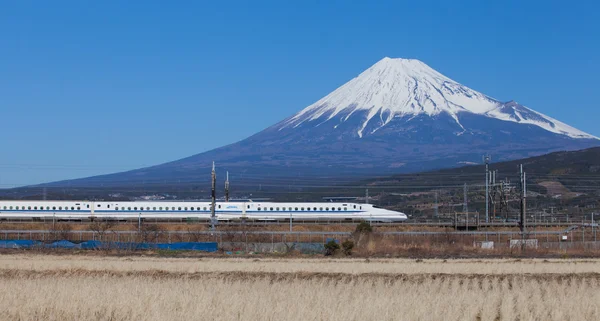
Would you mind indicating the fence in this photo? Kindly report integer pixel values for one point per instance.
(574, 234)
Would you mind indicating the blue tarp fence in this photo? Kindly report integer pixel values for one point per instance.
(91, 245)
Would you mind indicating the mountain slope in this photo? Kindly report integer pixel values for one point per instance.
(400, 115)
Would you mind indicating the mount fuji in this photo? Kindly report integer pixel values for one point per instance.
(398, 116)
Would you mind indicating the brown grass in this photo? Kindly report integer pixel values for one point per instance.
(36, 287)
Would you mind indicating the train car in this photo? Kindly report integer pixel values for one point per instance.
(224, 211)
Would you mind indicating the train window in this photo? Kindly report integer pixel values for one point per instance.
(11, 207)
(185, 208)
(154, 208)
(129, 208)
(28, 207)
(88, 206)
(295, 209)
(345, 208)
(259, 208)
(160, 208)
(116, 208)
(173, 208)
(204, 208)
(147, 208)
(135, 208)
(320, 208)
(302, 209)
(99, 205)
(289, 208)
(108, 205)
(327, 208)
(339, 208)
(72, 208)
(248, 206)
(60, 208)
(361, 207)
(314, 208)
(179, 208)
(354, 206)
(48, 207)
(271, 209)
(219, 206)
(277, 208)
(35, 208)
(4, 207)
(78, 208)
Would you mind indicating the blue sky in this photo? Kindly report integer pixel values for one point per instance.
(97, 87)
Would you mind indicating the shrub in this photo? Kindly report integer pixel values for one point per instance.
(364, 227)
(347, 247)
(331, 247)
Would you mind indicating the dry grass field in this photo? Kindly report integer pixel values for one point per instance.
(51, 287)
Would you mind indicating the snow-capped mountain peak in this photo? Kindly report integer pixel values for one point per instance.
(408, 87)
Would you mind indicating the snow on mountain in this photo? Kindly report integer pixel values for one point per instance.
(396, 88)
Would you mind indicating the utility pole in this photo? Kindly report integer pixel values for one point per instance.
(593, 227)
(213, 198)
(523, 218)
(436, 204)
(227, 188)
(487, 191)
(465, 205)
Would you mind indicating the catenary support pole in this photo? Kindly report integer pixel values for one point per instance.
(213, 198)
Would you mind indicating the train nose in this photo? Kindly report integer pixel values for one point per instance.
(395, 216)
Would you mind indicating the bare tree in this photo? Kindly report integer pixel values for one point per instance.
(61, 231)
(151, 232)
(101, 228)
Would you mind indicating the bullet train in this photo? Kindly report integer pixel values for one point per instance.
(224, 211)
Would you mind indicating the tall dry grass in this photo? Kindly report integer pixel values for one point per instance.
(95, 288)
(293, 265)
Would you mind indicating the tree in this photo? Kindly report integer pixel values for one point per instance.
(364, 227)
(347, 247)
(331, 247)
(101, 228)
(61, 231)
(151, 232)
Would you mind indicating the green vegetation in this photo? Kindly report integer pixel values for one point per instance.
(347, 247)
(364, 227)
(331, 248)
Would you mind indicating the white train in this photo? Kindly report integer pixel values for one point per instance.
(224, 211)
